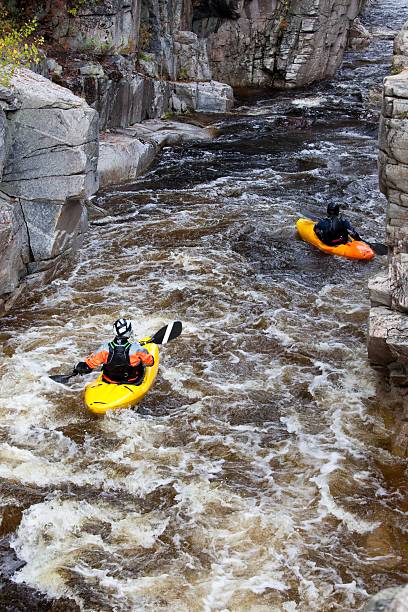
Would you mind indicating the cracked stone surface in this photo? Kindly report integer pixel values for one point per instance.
(49, 172)
(388, 330)
(278, 43)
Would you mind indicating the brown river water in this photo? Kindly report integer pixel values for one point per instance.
(257, 474)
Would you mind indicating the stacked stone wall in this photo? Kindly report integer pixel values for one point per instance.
(388, 323)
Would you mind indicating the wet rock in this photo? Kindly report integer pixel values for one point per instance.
(375, 98)
(14, 245)
(379, 288)
(123, 158)
(389, 600)
(206, 97)
(127, 153)
(359, 37)
(387, 336)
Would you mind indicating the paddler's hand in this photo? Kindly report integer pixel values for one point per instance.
(82, 368)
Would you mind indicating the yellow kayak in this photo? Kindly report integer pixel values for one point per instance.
(101, 396)
(354, 249)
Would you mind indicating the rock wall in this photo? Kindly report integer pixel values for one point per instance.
(388, 319)
(276, 43)
(388, 323)
(49, 153)
(168, 46)
(156, 67)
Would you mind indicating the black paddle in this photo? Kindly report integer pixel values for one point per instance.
(378, 247)
(164, 335)
(63, 378)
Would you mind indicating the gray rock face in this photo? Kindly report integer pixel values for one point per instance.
(288, 44)
(3, 136)
(55, 143)
(14, 246)
(205, 97)
(393, 170)
(191, 58)
(400, 58)
(388, 321)
(97, 25)
(49, 171)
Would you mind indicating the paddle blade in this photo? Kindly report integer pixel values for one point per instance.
(167, 333)
(378, 248)
(62, 378)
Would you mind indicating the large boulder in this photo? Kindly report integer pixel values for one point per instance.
(49, 172)
(394, 599)
(127, 153)
(54, 143)
(212, 97)
(400, 58)
(359, 37)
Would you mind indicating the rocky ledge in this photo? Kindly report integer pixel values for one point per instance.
(126, 153)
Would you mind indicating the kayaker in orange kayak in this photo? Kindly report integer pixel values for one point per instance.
(335, 229)
(122, 361)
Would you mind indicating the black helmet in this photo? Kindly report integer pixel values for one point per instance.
(333, 209)
(123, 328)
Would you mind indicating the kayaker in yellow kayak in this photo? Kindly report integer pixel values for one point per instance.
(122, 361)
(335, 229)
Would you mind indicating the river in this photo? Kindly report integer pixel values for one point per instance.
(257, 473)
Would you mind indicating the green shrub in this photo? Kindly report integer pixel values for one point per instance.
(74, 7)
(397, 69)
(182, 74)
(18, 47)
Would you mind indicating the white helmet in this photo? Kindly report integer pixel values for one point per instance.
(123, 328)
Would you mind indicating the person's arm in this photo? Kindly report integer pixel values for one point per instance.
(139, 355)
(93, 361)
(350, 229)
(320, 228)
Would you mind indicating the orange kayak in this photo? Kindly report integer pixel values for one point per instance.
(354, 249)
